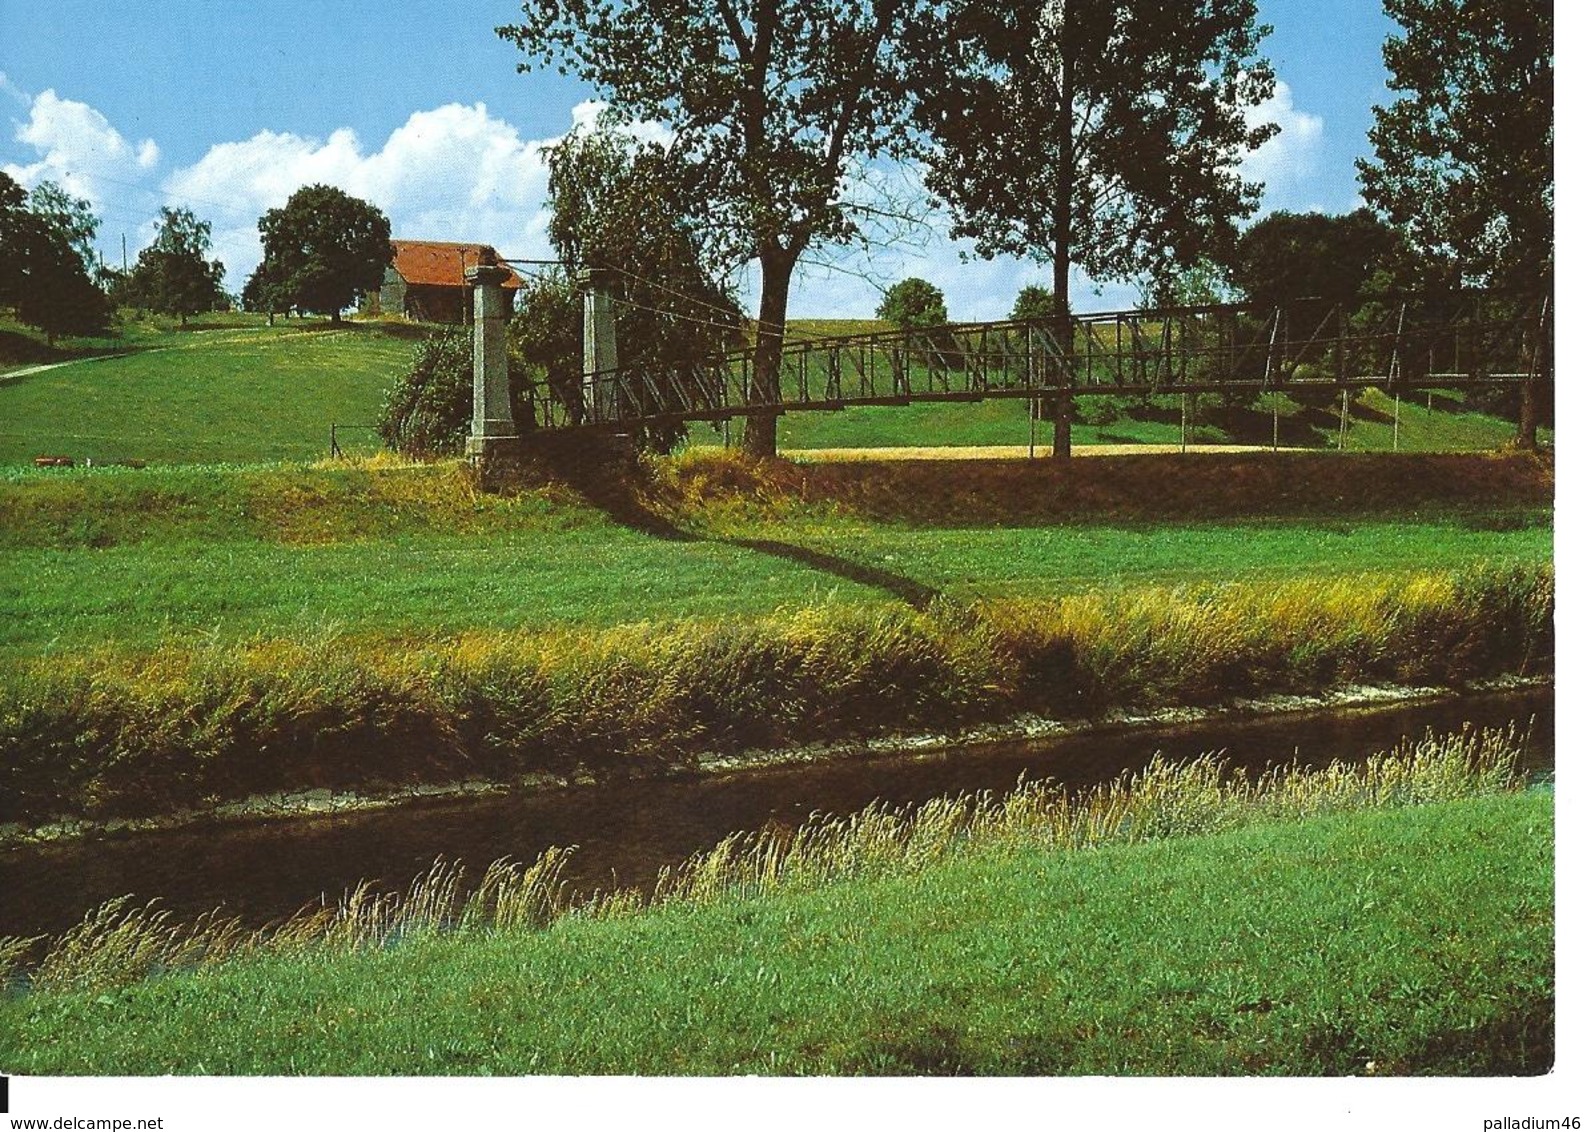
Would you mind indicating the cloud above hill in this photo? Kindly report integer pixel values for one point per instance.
(457, 172)
(1289, 162)
(77, 148)
(453, 173)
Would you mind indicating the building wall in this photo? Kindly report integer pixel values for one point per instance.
(389, 300)
(437, 304)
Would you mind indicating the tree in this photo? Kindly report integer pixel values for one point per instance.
(544, 334)
(172, 275)
(71, 218)
(265, 292)
(1290, 255)
(1033, 301)
(618, 208)
(1203, 283)
(323, 249)
(1098, 134)
(914, 304)
(773, 107)
(13, 222)
(1463, 160)
(43, 273)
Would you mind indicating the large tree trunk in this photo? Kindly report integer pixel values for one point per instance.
(1529, 415)
(1062, 263)
(1063, 328)
(762, 429)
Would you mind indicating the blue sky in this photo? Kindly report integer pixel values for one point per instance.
(227, 106)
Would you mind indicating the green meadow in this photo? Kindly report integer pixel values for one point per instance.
(135, 557)
(241, 392)
(162, 394)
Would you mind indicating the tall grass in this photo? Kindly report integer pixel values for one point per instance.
(118, 943)
(108, 736)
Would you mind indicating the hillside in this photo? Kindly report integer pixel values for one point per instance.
(227, 390)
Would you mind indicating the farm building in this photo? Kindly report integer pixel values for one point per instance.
(425, 280)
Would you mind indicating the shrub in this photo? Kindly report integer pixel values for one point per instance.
(427, 412)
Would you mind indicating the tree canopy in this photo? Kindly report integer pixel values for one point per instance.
(323, 249)
(71, 218)
(1099, 134)
(618, 209)
(1463, 157)
(1290, 255)
(172, 275)
(45, 262)
(1033, 301)
(914, 304)
(772, 106)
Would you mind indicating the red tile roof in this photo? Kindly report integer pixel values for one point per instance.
(438, 264)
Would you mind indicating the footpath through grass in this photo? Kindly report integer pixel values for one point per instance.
(1404, 941)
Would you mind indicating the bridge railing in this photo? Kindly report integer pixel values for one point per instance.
(1391, 341)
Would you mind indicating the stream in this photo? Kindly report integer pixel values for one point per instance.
(268, 869)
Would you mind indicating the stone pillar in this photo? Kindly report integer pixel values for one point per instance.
(493, 437)
(600, 391)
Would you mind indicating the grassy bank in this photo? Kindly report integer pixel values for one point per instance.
(1389, 921)
(139, 560)
(114, 734)
(180, 637)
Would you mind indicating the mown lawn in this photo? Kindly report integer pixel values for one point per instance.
(1410, 941)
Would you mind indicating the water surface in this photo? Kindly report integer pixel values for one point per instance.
(264, 870)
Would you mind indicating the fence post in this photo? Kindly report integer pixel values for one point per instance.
(493, 439)
(599, 382)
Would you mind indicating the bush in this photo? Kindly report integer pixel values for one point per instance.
(427, 412)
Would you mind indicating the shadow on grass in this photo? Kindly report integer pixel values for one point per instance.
(615, 496)
(908, 590)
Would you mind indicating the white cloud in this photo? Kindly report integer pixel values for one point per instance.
(1288, 162)
(453, 173)
(80, 150)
